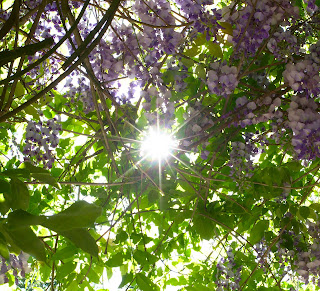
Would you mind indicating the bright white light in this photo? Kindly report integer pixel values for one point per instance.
(157, 145)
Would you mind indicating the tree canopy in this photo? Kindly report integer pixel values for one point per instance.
(160, 144)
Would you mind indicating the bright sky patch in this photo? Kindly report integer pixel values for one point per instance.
(157, 145)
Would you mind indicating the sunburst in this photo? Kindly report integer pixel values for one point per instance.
(157, 145)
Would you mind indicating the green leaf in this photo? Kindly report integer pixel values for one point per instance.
(126, 279)
(164, 203)
(45, 272)
(82, 239)
(4, 207)
(116, 260)
(40, 174)
(294, 166)
(142, 121)
(315, 206)
(187, 62)
(92, 276)
(144, 283)
(19, 197)
(173, 282)
(227, 28)
(21, 218)
(5, 187)
(200, 71)
(20, 90)
(73, 286)
(16, 173)
(4, 252)
(215, 49)
(46, 178)
(47, 113)
(78, 215)
(65, 270)
(25, 238)
(153, 196)
(266, 175)
(122, 236)
(65, 253)
(198, 287)
(201, 39)
(135, 237)
(304, 211)
(179, 114)
(186, 186)
(258, 230)
(141, 257)
(192, 52)
(204, 227)
(33, 112)
(33, 169)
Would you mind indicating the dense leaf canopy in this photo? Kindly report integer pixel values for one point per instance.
(159, 144)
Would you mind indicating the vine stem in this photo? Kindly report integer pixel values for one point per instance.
(85, 276)
(87, 183)
(50, 52)
(27, 42)
(53, 264)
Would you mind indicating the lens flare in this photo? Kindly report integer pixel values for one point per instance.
(157, 145)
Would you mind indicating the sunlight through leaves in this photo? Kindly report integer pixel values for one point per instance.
(157, 145)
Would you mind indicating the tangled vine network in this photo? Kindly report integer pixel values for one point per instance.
(226, 198)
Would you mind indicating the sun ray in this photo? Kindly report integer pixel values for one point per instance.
(160, 176)
(157, 144)
(132, 168)
(183, 163)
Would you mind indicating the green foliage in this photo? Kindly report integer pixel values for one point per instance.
(205, 214)
(26, 240)
(16, 230)
(40, 174)
(258, 231)
(204, 227)
(79, 215)
(145, 284)
(81, 238)
(19, 196)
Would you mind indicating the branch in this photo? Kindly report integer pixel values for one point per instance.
(104, 24)
(14, 16)
(75, 183)
(30, 49)
(50, 52)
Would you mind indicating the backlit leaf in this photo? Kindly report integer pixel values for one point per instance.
(258, 230)
(40, 174)
(4, 252)
(19, 197)
(65, 269)
(144, 283)
(116, 260)
(21, 218)
(215, 49)
(25, 238)
(5, 187)
(82, 239)
(78, 215)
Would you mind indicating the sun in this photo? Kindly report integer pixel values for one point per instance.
(157, 145)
